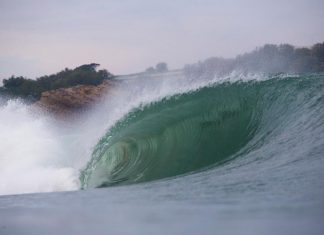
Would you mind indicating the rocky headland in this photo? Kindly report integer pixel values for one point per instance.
(64, 102)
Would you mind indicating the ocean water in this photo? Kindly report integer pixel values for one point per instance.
(168, 155)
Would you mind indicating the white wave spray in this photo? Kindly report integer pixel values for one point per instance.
(31, 154)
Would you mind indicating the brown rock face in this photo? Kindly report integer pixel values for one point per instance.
(68, 101)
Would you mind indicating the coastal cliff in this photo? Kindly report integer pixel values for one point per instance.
(72, 100)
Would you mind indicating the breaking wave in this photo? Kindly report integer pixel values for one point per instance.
(204, 128)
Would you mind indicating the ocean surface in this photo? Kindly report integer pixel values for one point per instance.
(164, 154)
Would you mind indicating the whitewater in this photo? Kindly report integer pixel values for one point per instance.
(246, 149)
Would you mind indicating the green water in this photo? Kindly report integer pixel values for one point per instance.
(201, 129)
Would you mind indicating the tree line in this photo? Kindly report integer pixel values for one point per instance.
(31, 90)
(270, 58)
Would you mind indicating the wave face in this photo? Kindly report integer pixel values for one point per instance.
(206, 128)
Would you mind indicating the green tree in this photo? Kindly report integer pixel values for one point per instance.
(31, 89)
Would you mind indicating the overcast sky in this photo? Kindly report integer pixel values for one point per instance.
(39, 37)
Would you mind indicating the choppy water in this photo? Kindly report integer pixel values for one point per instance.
(239, 155)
